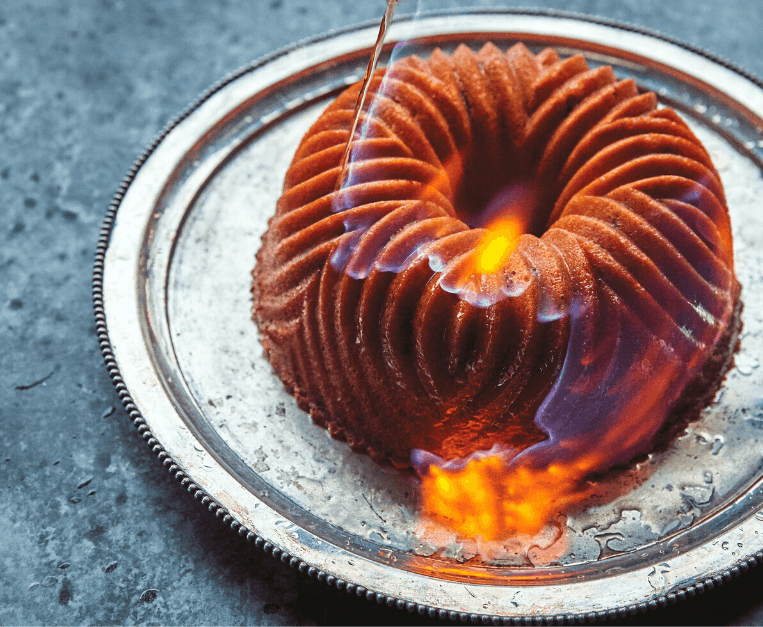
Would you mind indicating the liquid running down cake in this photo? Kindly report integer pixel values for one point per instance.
(522, 251)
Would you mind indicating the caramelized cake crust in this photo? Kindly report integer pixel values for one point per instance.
(371, 304)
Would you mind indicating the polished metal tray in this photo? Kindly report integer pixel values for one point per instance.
(173, 307)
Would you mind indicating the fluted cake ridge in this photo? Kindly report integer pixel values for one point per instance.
(378, 305)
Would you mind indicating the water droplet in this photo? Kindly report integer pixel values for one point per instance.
(49, 582)
(461, 551)
(377, 535)
(740, 545)
(725, 546)
(149, 595)
(697, 494)
(111, 567)
(671, 527)
(605, 550)
(424, 549)
(107, 412)
(759, 516)
(33, 585)
(85, 483)
(75, 499)
(657, 577)
(287, 525)
(64, 566)
(707, 476)
(718, 442)
(745, 364)
(700, 108)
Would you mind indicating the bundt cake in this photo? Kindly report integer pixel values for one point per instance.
(507, 222)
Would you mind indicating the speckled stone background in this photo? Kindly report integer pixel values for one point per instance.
(92, 529)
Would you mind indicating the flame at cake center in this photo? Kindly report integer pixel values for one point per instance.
(499, 243)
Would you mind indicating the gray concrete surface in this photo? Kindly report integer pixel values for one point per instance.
(92, 529)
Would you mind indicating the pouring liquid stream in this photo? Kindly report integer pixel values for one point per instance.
(373, 62)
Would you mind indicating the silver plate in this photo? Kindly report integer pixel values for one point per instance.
(173, 312)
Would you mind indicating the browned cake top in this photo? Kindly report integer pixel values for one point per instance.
(427, 304)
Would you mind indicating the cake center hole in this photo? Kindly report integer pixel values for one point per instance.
(511, 209)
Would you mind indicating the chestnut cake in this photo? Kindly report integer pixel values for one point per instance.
(375, 303)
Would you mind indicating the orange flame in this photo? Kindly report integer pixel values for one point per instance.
(492, 498)
(500, 241)
(488, 499)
